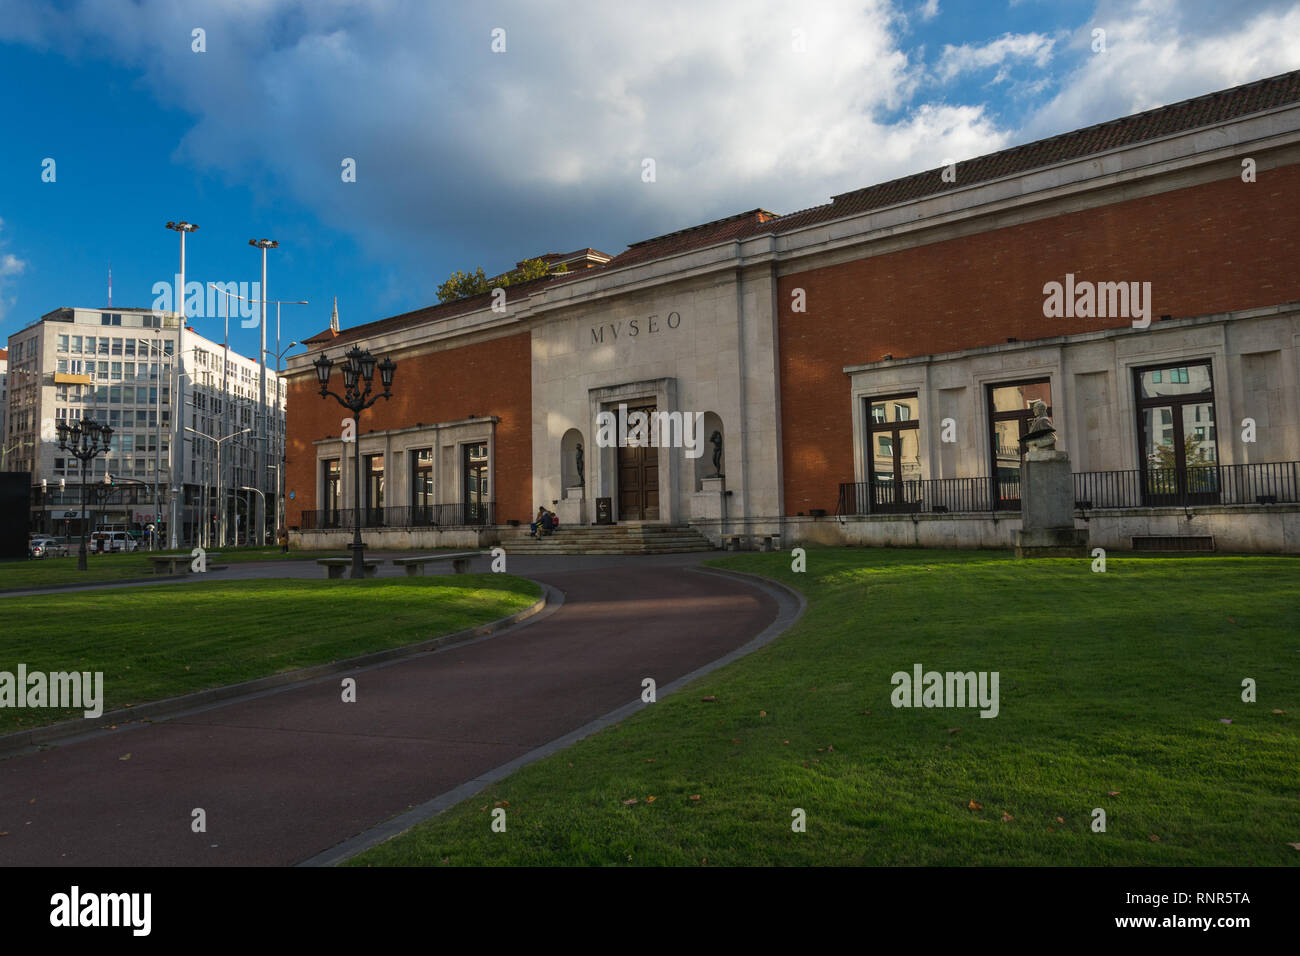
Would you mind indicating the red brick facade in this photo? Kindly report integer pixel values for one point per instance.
(1217, 247)
(485, 379)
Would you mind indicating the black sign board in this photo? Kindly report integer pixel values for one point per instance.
(15, 505)
(604, 511)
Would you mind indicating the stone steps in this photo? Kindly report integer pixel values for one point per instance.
(608, 539)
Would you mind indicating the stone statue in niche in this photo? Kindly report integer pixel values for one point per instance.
(582, 481)
(1042, 433)
(716, 438)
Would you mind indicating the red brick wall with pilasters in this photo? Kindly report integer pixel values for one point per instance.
(1216, 247)
(484, 379)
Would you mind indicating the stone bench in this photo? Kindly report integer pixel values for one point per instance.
(166, 563)
(339, 567)
(459, 562)
(754, 542)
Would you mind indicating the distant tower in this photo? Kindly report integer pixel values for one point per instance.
(334, 319)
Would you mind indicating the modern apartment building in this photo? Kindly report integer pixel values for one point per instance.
(178, 404)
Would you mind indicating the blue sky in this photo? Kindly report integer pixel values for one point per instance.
(467, 157)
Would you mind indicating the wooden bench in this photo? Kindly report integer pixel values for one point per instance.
(338, 567)
(459, 561)
(166, 563)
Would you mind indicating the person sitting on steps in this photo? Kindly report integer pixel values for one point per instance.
(537, 523)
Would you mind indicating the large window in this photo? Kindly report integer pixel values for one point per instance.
(422, 483)
(1177, 443)
(477, 496)
(894, 459)
(330, 487)
(1009, 420)
(374, 482)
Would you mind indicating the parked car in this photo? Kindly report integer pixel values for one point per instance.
(48, 548)
(103, 541)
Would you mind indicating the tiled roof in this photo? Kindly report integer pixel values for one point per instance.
(1140, 127)
(693, 237)
(431, 313)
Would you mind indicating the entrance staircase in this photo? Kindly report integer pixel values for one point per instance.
(607, 539)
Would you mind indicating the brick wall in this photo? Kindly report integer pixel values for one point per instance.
(1216, 247)
(484, 379)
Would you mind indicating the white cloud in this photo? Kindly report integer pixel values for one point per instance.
(1155, 55)
(968, 58)
(929, 10)
(10, 266)
(523, 150)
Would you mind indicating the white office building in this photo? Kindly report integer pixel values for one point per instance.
(178, 404)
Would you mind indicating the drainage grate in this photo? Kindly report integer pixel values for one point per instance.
(1174, 542)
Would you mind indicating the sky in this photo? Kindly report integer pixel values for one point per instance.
(489, 132)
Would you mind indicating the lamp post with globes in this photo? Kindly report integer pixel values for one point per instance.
(358, 368)
(84, 440)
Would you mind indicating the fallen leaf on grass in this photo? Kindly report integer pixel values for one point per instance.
(1294, 846)
(1276, 711)
(649, 760)
(785, 741)
(1225, 720)
(1006, 817)
(735, 740)
(1112, 793)
(501, 803)
(1060, 819)
(954, 730)
(762, 713)
(1051, 830)
(695, 796)
(127, 757)
(975, 806)
(650, 799)
(1153, 838)
(628, 803)
(709, 700)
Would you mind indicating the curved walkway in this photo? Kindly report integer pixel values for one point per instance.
(288, 775)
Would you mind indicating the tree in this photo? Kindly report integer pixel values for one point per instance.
(462, 285)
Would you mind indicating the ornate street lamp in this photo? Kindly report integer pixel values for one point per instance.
(84, 440)
(358, 368)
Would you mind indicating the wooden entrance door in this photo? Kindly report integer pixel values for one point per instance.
(638, 479)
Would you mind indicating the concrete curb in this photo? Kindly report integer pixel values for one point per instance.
(791, 605)
(74, 730)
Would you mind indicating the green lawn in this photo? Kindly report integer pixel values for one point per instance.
(16, 575)
(1113, 692)
(157, 642)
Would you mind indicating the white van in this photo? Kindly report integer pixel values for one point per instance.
(102, 541)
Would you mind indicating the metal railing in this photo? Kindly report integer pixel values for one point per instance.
(1271, 482)
(458, 515)
(1250, 484)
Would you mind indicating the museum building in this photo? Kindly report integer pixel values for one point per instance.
(861, 372)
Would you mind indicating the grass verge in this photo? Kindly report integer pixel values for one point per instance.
(1119, 691)
(152, 643)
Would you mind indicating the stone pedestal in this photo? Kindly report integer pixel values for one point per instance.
(572, 509)
(1047, 509)
(708, 502)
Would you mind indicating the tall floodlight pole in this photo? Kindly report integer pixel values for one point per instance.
(182, 227)
(262, 244)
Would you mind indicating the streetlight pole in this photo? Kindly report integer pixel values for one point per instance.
(262, 244)
(280, 515)
(217, 442)
(84, 440)
(359, 368)
(278, 353)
